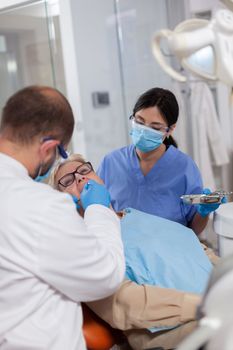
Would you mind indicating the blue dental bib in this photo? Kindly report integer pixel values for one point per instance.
(163, 253)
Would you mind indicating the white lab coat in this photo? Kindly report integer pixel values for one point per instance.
(50, 260)
(209, 144)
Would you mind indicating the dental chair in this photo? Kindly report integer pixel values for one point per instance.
(101, 336)
(98, 334)
(215, 329)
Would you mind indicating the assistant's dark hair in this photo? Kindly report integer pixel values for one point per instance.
(37, 111)
(166, 103)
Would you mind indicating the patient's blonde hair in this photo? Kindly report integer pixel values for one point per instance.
(72, 158)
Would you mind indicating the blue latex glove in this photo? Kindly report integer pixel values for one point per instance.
(76, 200)
(94, 193)
(206, 209)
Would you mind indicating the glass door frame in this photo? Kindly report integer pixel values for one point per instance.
(70, 63)
(7, 5)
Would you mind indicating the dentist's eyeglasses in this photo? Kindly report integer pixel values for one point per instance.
(61, 150)
(68, 179)
(155, 126)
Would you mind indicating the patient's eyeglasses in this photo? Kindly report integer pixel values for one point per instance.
(69, 178)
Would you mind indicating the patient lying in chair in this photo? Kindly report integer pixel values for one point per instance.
(166, 270)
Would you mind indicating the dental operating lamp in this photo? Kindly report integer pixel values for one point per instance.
(203, 47)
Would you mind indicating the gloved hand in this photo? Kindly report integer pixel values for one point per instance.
(94, 193)
(206, 209)
(76, 200)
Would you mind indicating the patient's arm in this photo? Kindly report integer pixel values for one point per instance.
(143, 306)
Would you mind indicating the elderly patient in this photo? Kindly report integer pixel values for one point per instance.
(166, 269)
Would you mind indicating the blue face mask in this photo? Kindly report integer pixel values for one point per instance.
(146, 139)
(41, 178)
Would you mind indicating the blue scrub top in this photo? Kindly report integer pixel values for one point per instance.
(157, 193)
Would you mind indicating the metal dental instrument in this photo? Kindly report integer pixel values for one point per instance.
(214, 197)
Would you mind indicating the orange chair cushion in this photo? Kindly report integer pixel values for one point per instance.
(97, 333)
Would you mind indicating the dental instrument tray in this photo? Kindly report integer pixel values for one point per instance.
(213, 197)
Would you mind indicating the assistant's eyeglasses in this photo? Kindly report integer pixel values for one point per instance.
(155, 126)
(68, 179)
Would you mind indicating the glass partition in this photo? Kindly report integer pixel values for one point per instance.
(137, 21)
(30, 48)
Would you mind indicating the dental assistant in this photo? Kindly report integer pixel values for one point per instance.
(152, 173)
(51, 259)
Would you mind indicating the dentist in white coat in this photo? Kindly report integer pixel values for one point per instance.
(51, 259)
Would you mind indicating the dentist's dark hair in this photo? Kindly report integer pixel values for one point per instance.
(166, 103)
(37, 111)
